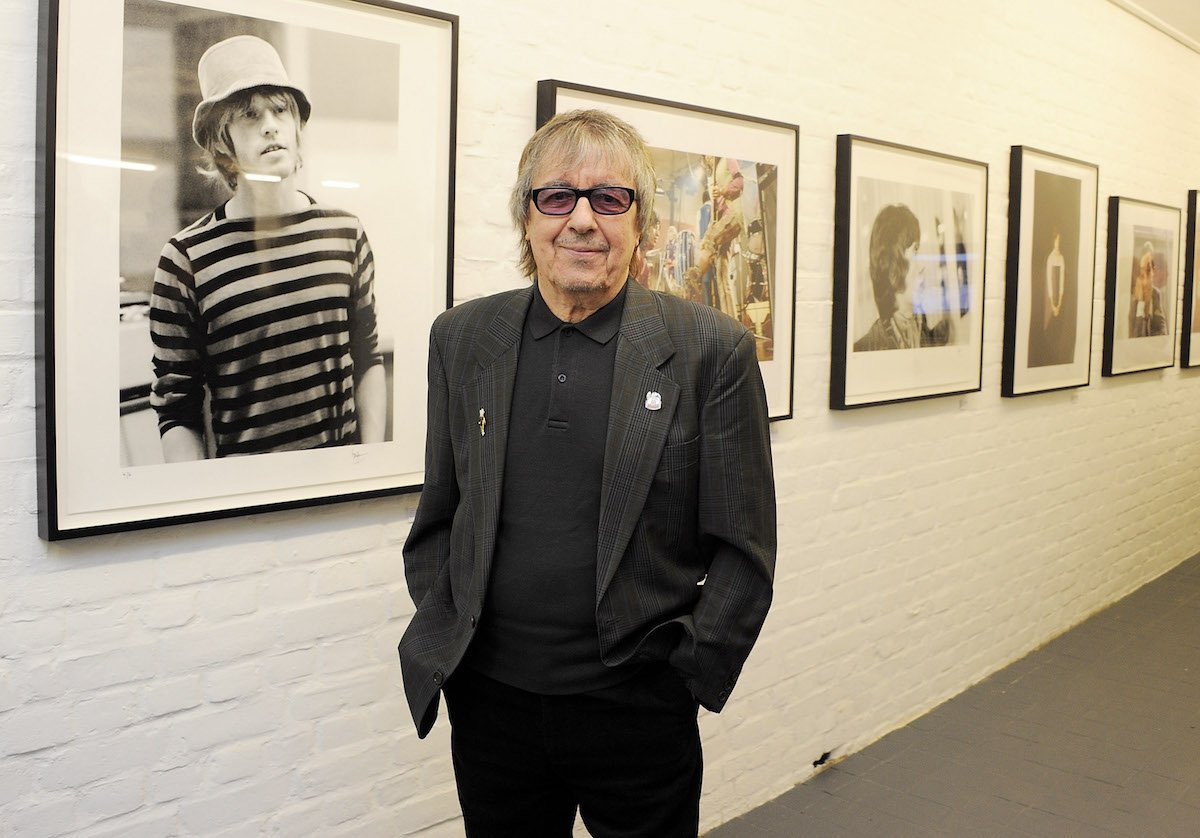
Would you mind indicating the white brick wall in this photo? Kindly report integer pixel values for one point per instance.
(239, 677)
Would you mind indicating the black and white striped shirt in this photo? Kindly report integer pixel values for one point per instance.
(275, 318)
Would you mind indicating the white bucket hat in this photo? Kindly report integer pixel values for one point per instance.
(236, 64)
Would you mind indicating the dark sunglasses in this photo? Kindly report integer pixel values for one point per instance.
(604, 200)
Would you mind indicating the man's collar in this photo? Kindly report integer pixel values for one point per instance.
(601, 325)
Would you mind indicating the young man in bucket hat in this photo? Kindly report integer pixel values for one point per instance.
(265, 307)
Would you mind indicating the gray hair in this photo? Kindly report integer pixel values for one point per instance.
(570, 139)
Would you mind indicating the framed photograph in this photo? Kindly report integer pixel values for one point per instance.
(1189, 342)
(725, 209)
(908, 254)
(1051, 272)
(1140, 291)
(244, 232)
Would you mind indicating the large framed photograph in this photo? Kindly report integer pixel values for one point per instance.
(1189, 342)
(909, 234)
(1140, 291)
(1050, 274)
(244, 233)
(725, 208)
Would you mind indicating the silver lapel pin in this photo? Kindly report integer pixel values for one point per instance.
(653, 401)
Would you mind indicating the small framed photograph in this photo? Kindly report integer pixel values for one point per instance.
(726, 214)
(1140, 291)
(909, 234)
(1189, 342)
(244, 233)
(1051, 272)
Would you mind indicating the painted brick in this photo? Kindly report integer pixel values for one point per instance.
(922, 546)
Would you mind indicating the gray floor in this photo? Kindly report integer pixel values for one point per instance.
(1096, 733)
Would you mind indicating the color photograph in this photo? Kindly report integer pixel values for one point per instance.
(1140, 288)
(714, 218)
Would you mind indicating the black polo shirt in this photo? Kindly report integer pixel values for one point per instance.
(538, 629)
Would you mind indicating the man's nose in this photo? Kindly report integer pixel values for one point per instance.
(582, 217)
(270, 122)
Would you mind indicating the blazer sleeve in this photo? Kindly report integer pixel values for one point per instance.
(427, 547)
(736, 529)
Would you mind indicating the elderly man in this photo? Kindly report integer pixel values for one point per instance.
(593, 551)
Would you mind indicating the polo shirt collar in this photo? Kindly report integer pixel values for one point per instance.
(601, 325)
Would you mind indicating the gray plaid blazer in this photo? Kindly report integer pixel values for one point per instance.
(686, 549)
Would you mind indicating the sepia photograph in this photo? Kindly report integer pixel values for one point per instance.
(909, 236)
(1050, 272)
(251, 234)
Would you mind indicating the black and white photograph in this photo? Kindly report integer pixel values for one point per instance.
(1189, 340)
(908, 274)
(1140, 291)
(724, 229)
(248, 235)
(1050, 272)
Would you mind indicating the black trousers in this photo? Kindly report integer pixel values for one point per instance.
(627, 757)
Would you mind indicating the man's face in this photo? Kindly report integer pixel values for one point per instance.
(265, 138)
(914, 281)
(584, 254)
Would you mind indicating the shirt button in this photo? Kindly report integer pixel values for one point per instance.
(568, 331)
(562, 378)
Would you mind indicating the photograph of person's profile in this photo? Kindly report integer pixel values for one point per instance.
(913, 287)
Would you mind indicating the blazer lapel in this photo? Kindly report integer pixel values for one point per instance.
(641, 409)
(488, 400)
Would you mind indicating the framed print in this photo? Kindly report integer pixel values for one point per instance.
(1189, 342)
(1050, 274)
(1139, 294)
(725, 210)
(244, 233)
(908, 256)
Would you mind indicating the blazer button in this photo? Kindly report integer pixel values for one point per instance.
(473, 621)
(438, 678)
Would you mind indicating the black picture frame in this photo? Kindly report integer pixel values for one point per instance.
(693, 148)
(1050, 272)
(1139, 329)
(1189, 339)
(117, 85)
(930, 340)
